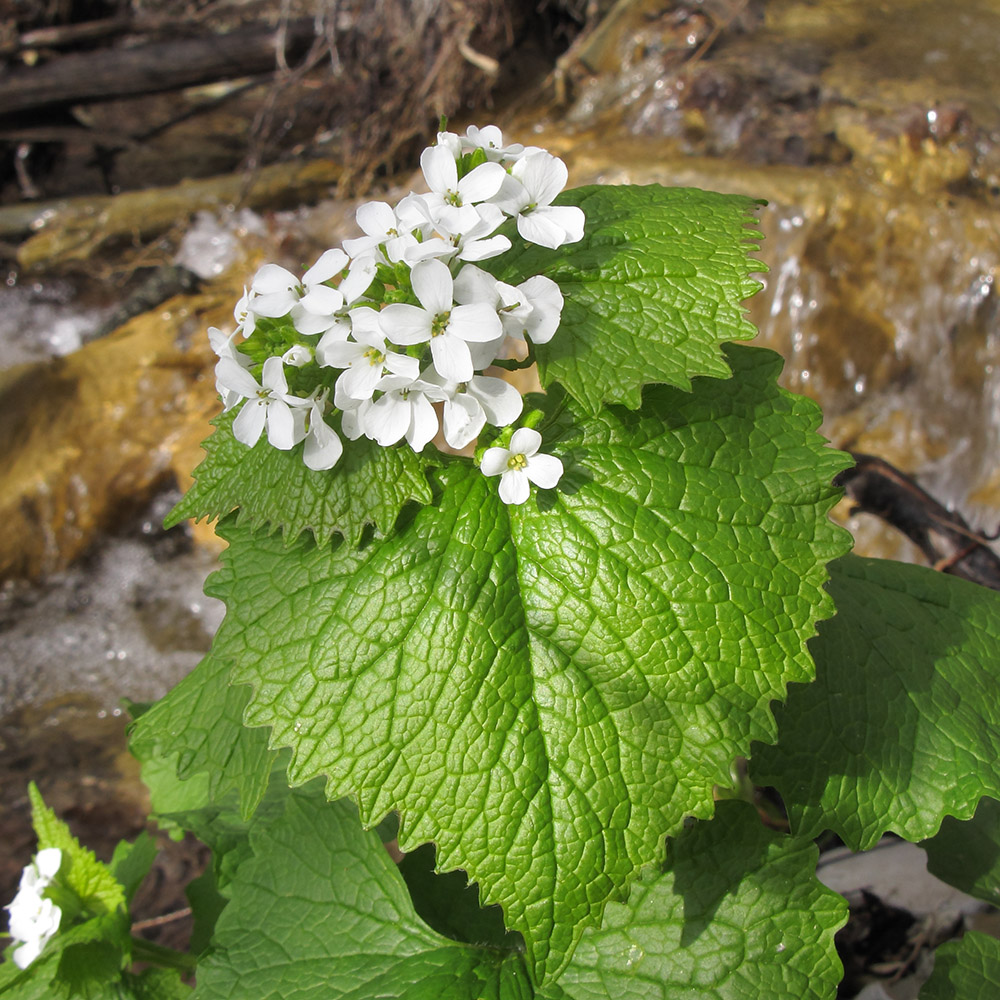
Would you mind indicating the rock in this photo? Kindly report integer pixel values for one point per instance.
(93, 434)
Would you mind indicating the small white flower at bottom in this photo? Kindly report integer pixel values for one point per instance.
(34, 919)
(520, 465)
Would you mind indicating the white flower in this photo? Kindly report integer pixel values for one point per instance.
(404, 410)
(322, 448)
(441, 173)
(34, 919)
(314, 303)
(273, 291)
(540, 320)
(528, 191)
(337, 326)
(521, 464)
(298, 355)
(468, 405)
(392, 228)
(490, 140)
(465, 233)
(437, 319)
(365, 358)
(222, 344)
(267, 403)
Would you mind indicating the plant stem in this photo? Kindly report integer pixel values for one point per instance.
(157, 954)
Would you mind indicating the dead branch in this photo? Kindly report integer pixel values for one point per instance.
(945, 537)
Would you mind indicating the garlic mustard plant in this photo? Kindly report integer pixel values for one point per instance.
(543, 644)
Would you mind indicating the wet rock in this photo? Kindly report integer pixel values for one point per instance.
(91, 436)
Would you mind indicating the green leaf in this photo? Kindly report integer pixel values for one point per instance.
(156, 984)
(888, 737)
(965, 970)
(546, 691)
(92, 883)
(200, 721)
(274, 490)
(320, 911)
(651, 291)
(130, 863)
(967, 854)
(738, 915)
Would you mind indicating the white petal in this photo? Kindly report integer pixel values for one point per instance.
(544, 470)
(322, 299)
(452, 358)
(494, 461)
(525, 441)
(434, 248)
(501, 402)
(546, 308)
(463, 420)
(330, 263)
(280, 425)
(249, 422)
(274, 304)
(484, 249)
(388, 420)
(543, 174)
(440, 169)
(47, 861)
(477, 322)
(473, 284)
(432, 284)
(514, 486)
(365, 326)
(322, 448)
(405, 324)
(338, 352)
(272, 376)
(481, 183)
(483, 355)
(234, 377)
(271, 278)
(402, 364)
(358, 279)
(512, 196)
(376, 218)
(423, 422)
(360, 379)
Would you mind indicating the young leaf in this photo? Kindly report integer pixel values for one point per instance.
(275, 490)
(968, 969)
(321, 911)
(967, 854)
(547, 690)
(651, 291)
(737, 913)
(98, 891)
(887, 738)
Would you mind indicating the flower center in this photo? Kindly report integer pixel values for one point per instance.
(453, 198)
(440, 323)
(374, 356)
(518, 461)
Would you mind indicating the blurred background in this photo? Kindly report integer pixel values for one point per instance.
(154, 153)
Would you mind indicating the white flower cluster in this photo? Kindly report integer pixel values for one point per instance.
(33, 918)
(412, 321)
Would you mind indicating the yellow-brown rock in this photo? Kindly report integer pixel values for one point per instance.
(90, 435)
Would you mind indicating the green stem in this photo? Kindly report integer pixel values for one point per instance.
(512, 365)
(157, 954)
